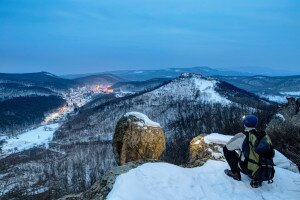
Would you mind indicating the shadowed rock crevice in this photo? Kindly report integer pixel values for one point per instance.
(137, 138)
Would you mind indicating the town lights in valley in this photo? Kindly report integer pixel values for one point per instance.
(55, 115)
(108, 89)
(77, 98)
(103, 88)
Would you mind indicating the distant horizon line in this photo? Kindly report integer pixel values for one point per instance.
(225, 69)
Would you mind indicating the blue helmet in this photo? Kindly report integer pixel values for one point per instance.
(250, 121)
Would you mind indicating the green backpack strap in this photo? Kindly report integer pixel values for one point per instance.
(253, 162)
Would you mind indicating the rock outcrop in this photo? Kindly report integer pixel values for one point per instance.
(202, 149)
(137, 138)
(290, 112)
(284, 130)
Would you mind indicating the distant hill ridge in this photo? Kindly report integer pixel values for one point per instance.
(41, 79)
(46, 79)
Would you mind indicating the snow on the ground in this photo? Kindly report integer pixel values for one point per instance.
(274, 98)
(36, 137)
(123, 93)
(208, 87)
(279, 159)
(163, 181)
(191, 86)
(143, 117)
(217, 138)
(294, 93)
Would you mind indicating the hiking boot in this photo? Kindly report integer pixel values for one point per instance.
(235, 176)
(255, 183)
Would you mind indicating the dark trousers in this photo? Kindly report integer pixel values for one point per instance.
(232, 158)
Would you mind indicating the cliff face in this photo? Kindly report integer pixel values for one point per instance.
(292, 111)
(284, 130)
(101, 189)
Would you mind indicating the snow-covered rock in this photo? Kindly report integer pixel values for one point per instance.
(136, 138)
(202, 149)
(280, 116)
(168, 182)
(217, 138)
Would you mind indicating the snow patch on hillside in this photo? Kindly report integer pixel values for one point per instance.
(49, 74)
(165, 181)
(144, 118)
(191, 87)
(280, 116)
(36, 137)
(208, 87)
(274, 98)
(294, 93)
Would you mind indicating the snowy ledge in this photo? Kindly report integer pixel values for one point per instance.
(217, 138)
(165, 181)
(144, 118)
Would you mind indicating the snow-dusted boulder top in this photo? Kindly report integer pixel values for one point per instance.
(214, 141)
(144, 120)
(136, 138)
(168, 182)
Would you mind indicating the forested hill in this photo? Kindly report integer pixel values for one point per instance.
(185, 107)
(40, 79)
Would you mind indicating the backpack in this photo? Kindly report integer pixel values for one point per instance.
(266, 170)
(261, 155)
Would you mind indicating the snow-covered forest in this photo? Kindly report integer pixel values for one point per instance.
(50, 153)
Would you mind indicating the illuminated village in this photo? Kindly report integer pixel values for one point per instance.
(75, 99)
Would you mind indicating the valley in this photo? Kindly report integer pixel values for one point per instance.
(149, 100)
(51, 156)
(41, 135)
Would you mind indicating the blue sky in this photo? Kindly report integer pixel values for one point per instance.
(72, 36)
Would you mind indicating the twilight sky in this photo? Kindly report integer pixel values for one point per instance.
(72, 36)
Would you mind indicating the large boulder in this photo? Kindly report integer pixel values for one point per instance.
(202, 149)
(137, 138)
